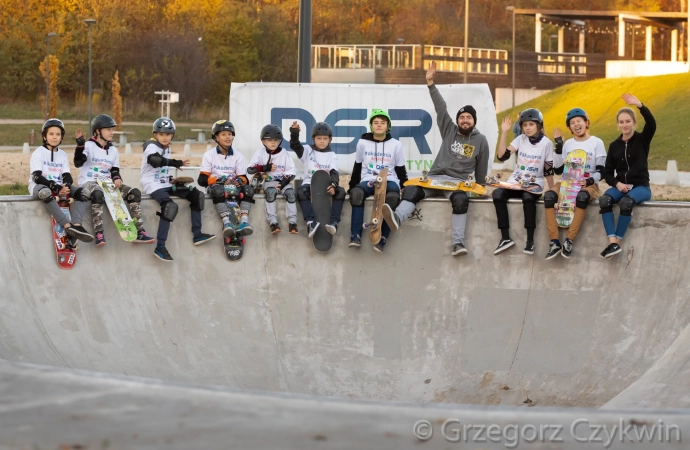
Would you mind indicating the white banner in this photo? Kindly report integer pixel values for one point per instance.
(347, 107)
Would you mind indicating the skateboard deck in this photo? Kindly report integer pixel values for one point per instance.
(321, 202)
(233, 243)
(374, 226)
(524, 184)
(180, 183)
(573, 174)
(126, 227)
(66, 255)
(468, 185)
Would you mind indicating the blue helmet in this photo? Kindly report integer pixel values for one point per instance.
(576, 112)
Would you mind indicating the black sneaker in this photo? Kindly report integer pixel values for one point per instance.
(332, 228)
(458, 249)
(389, 216)
(311, 228)
(611, 251)
(355, 241)
(567, 248)
(505, 244)
(554, 250)
(162, 254)
(529, 248)
(275, 228)
(80, 233)
(379, 247)
(203, 238)
(292, 228)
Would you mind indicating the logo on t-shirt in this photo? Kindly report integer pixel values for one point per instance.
(465, 150)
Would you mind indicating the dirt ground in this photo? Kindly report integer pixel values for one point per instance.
(14, 168)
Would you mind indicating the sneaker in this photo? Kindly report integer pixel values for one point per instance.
(458, 249)
(292, 228)
(80, 233)
(529, 248)
(143, 238)
(355, 241)
(72, 242)
(311, 228)
(554, 250)
(228, 231)
(275, 228)
(389, 216)
(332, 228)
(244, 229)
(505, 244)
(379, 247)
(611, 250)
(100, 239)
(162, 254)
(567, 248)
(202, 238)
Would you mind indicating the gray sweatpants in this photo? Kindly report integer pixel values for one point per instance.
(42, 192)
(458, 221)
(270, 208)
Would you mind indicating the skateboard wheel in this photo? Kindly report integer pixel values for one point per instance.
(468, 184)
(379, 179)
(487, 178)
(375, 221)
(421, 179)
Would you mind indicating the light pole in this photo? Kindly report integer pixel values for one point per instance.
(304, 44)
(467, 15)
(90, 22)
(512, 8)
(48, 36)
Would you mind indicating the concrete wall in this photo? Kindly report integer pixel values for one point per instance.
(625, 69)
(504, 97)
(358, 76)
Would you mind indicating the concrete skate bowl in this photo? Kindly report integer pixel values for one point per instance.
(413, 324)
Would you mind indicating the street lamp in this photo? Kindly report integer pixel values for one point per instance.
(90, 22)
(467, 14)
(48, 36)
(512, 8)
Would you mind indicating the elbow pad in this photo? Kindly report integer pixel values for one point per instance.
(505, 157)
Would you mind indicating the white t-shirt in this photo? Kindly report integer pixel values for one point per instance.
(314, 160)
(218, 165)
(596, 154)
(51, 170)
(376, 155)
(98, 162)
(285, 167)
(154, 178)
(531, 158)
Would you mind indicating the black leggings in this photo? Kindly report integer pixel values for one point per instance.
(529, 207)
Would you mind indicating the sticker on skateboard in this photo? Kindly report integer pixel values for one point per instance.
(469, 185)
(573, 174)
(66, 254)
(126, 227)
(524, 184)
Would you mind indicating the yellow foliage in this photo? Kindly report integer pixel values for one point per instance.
(54, 66)
(117, 101)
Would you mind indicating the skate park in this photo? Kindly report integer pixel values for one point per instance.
(289, 348)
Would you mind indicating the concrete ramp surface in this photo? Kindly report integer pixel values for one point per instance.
(413, 324)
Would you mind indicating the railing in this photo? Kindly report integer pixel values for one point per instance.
(479, 60)
(364, 56)
(562, 63)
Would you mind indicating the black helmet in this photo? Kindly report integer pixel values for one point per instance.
(271, 131)
(532, 115)
(576, 112)
(164, 125)
(321, 129)
(52, 123)
(102, 121)
(222, 125)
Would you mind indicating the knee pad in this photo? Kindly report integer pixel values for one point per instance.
(45, 195)
(393, 199)
(550, 199)
(247, 193)
(605, 204)
(168, 210)
(80, 196)
(497, 195)
(217, 192)
(460, 202)
(413, 194)
(271, 194)
(134, 196)
(97, 197)
(582, 199)
(290, 195)
(627, 204)
(196, 199)
(527, 197)
(339, 194)
(357, 196)
(303, 193)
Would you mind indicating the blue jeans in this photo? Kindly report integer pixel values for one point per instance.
(639, 194)
(162, 195)
(358, 211)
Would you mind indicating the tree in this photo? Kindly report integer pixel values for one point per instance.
(117, 101)
(54, 65)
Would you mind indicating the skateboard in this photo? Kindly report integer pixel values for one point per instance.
(573, 174)
(233, 242)
(374, 226)
(126, 227)
(468, 185)
(524, 184)
(182, 183)
(66, 254)
(321, 202)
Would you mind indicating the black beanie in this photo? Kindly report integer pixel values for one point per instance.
(467, 109)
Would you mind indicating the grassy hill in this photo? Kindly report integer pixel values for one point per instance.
(667, 96)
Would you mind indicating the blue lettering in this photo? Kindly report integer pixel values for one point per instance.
(415, 132)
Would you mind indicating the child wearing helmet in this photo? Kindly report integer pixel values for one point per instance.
(534, 159)
(318, 156)
(50, 177)
(97, 159)
(156, 181)
(276, 170)
(578, 122)
(223, 166)
(375, 151)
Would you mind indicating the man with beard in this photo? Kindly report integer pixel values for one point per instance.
(464, 150)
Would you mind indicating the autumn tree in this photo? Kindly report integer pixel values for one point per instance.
(54, 67)
(117, 101)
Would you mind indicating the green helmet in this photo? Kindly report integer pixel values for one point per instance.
(379, 113)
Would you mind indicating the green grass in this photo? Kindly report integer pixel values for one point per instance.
(14, 189)
(667, 97)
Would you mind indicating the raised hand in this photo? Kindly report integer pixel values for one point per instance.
(507, 124)
(430, 72)
(78, 134)
(631, 99)
(295, 125)
(557, 133)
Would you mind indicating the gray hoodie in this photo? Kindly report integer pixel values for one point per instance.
(459, 155)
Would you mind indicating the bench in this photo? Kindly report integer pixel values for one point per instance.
(201, 137)
(123, 136)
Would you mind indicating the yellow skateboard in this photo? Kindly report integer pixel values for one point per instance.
(468, 185)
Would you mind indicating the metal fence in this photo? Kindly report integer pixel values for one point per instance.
(364, 56)
(562, 63)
